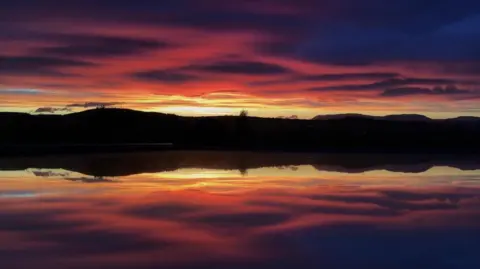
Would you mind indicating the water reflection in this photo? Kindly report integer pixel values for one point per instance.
(243, 162)
(199, 210)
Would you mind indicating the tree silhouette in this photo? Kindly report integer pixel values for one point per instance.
(243, 128)
(244, 113)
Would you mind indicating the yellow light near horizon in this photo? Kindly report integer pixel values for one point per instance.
(192, 110)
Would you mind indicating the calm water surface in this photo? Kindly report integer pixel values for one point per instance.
(239, 210)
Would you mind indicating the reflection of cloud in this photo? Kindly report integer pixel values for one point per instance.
(100, 241)
(241, 220)
(68, 176)
(386, 202)
(189, 229)
(162, 211)
(35, 222)
(98, 179)
(50, 174)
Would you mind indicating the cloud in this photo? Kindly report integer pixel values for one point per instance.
(241, 67)
(101, 46)
(37, 65)
(94, 104)
(165, 76)
(389, 83)
(449, 90)
(22, 92)
(462, 68)
(348, 76)
(52, 110)
(409, 81)
(330, 77)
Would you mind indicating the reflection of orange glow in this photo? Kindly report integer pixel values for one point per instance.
(300, 177)
(181, 218)
(217, 181)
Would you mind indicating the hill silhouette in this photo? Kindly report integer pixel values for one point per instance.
(353, 133)
(400, 117)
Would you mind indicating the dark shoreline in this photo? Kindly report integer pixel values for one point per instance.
(35, 150)
(69, 149)
(130, 163)
(120, 130)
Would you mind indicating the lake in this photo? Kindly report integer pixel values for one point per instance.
(180, 209)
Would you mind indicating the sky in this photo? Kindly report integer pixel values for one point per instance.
(275, 58)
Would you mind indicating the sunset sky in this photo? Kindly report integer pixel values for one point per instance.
(216, 57)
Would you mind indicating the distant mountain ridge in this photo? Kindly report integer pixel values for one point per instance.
(465, 118)
(395, 117)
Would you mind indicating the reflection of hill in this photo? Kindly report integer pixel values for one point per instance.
(109, 165)
(95, 179)
(394, 163)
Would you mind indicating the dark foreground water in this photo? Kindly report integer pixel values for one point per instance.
(240, 210)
